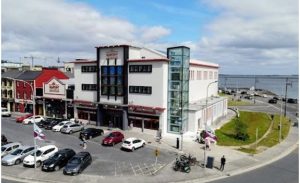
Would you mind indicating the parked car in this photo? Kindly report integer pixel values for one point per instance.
(42, 154)
(44, 122)
(17, 156)
(8, 148)
(59, 126)
(58, 160)
(249, 97)
(133, 143)
(276, 97)
(71, 128)
(91, 133)
(21, 118)
(52, 124)
(3, 140)
(113, 138)
(36, 119)
(292, 101)
(272, 101)
(78, 163)
(5, 112)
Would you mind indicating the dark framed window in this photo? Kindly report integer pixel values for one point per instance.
(112, 80)
(89, 68)
(140, 68)
(89, 87)
(140, 89)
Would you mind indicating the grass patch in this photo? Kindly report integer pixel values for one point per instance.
(253, 120)
(273, 137)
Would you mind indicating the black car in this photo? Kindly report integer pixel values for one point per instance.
(78, 163)
(45, 122)
(52, 123)
(58, 160)
(292, 101)
(91, 133)
(272, 101)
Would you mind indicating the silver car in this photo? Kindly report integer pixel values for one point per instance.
(71, 128)
(8, 148)
(17, 156)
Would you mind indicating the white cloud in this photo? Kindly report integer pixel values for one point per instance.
(154, 33)
(70, 30)
(252, 33)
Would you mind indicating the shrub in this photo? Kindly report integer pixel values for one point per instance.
(241, 130)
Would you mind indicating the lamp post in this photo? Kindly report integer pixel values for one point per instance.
(206, 104)
(33, 112)
(286, 87)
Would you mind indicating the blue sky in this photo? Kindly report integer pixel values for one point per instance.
(243, 37)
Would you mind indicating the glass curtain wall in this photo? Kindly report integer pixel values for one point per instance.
(178, 88)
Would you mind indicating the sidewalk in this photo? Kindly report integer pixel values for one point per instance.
(236, 162)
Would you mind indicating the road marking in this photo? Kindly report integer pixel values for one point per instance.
(132, 168)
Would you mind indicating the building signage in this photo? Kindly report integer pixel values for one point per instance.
(53, 87)
(112, 54)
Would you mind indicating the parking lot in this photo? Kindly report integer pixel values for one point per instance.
(107, 160)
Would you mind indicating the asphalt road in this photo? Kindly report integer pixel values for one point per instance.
(107, 161)
(285, 170)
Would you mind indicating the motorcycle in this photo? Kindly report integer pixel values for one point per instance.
(182, 166)
(192, 161)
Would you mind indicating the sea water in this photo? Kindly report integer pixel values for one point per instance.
(273, 83)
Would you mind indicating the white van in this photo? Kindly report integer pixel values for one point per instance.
(5, 112)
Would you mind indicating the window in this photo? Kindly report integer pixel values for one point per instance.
(18, 83)
(112, 80)
(200, 75)
(210, 75)
(205, 75)
(140, 89)
(89, 68)
(89, 87)
(18, 95)
(140, 68)
(25, 96)
(216, 75)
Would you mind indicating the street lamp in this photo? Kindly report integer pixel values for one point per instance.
(33, 111)
(206, 103)
(286, 86)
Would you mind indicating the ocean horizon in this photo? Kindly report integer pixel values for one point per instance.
(273, 83)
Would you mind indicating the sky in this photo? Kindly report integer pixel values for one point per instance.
(243, 37)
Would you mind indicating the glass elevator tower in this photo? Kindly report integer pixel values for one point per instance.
(178, 88)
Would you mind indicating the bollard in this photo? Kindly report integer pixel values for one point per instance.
(177, 143)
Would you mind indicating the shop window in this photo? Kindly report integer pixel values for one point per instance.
(119, 90)
(112, 90)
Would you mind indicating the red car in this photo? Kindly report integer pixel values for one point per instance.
(21, 118)
(113, 138)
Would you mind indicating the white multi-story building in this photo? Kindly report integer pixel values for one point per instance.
(146, 89)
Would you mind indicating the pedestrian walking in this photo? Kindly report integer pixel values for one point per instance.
(223, 161)
(83, 141)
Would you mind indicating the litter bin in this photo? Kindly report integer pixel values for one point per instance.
(210, 162)
(177, 143)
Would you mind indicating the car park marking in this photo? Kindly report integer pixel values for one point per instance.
(132, 168)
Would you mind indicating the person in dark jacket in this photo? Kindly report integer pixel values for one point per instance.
(223, 161)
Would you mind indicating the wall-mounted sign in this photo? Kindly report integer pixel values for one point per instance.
(111, 54)
(54, 87)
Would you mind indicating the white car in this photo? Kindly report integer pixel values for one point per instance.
(59, 126)
(30, 120)
(133, 143)
(5, 112)
(42, 154)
